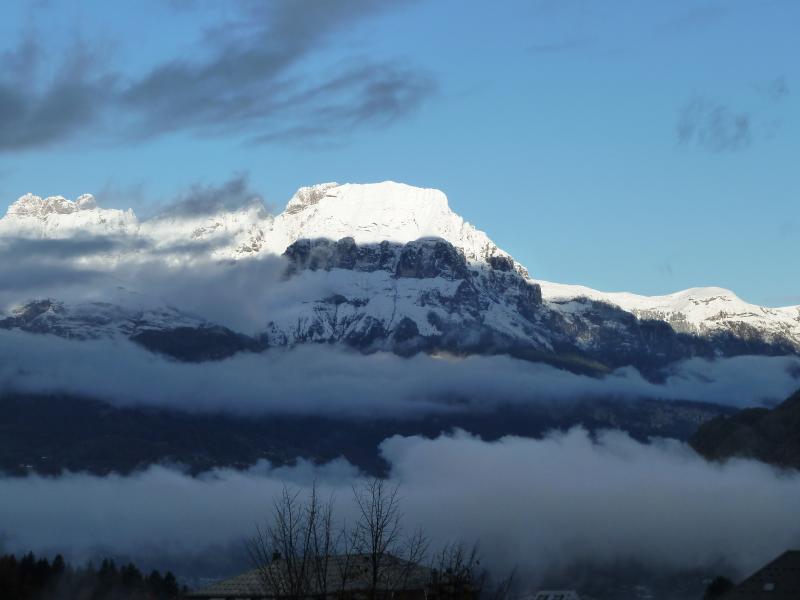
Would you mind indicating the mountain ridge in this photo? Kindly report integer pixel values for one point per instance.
(388, 266)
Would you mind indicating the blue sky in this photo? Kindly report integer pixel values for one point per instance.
(642, 146)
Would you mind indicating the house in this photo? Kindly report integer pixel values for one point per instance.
(778, 580)
(340, 577)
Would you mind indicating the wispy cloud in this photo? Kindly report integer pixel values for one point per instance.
(718, 127)
(713, 126)
(776, 90)
(254, 82)
(200, 200)
(37, 111)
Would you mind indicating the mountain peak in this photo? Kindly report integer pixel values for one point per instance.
(375, 212)
(31, 205)
(58, 217)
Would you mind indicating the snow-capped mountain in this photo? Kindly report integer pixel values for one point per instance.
(374, 213)
(386, 266)
(703, 312)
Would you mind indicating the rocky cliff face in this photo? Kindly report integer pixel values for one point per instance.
(420, 296)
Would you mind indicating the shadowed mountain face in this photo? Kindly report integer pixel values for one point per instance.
(768, 435)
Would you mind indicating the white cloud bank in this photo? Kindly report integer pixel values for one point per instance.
(540, 504)
(331, 381)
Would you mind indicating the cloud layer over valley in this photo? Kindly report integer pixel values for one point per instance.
(541, 505)
(325, 380)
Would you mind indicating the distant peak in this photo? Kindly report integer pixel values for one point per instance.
(31, 205)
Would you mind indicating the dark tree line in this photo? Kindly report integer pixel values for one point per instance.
(32, 578)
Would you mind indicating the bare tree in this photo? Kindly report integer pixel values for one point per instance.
(293, 550)
(378, 535)
(300, 552)
(459, 575)
(345, 566)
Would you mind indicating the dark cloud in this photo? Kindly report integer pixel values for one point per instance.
(35, 267)
(713, 126)
(201, 200)
(236, 294)
(253, 83)
(365, 95)
(37, 113)
(20, 279)
(253, 78)
(16, 249)
(540, 505)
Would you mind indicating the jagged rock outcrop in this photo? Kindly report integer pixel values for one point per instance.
(424, 295)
